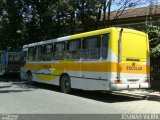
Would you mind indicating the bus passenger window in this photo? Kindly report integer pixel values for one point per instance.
(73, 50)
(104, 46)
(59, 51)
(47, 55)
(38, 53)
(90, 48)
(31, 54)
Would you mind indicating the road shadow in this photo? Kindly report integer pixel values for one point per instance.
(13, 91)
(10, 78)
(104, 96)
(14, 85)
(11, 75)
(5, 86)
(45, 86)
(93, 95)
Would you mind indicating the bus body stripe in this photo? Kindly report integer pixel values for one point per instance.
(93, 67)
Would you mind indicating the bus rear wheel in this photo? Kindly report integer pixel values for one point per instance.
(65, 84)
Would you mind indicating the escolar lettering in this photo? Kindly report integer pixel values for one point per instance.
(133, 68)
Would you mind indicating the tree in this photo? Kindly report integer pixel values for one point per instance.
(154, 36)
(153, 28)
(10, 19)
(28, 21)
(93, 12)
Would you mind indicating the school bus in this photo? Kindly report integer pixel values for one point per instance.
(106, 60)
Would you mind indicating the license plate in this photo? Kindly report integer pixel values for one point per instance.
(132, 81)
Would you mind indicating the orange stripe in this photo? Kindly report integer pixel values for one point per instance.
(138, 68)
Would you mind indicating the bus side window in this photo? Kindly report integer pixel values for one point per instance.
(73, 49)
(58, 53)
(91, 48)
(31, 54)
(47, 55)
(38, 53)
(104, 46)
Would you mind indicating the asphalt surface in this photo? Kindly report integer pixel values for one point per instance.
(18, 97)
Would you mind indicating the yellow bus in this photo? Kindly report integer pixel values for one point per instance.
(104, 60)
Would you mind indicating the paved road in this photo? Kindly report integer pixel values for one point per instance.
(18, 97)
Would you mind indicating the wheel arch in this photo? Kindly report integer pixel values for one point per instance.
(28, 71)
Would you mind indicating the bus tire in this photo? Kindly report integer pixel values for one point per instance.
(65, 83)
(29, 77)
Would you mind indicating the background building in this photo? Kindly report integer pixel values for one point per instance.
(136, 17)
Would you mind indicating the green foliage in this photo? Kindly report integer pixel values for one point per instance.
(153, 30)
(28, 21)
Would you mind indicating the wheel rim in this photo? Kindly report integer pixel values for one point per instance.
(65, 84)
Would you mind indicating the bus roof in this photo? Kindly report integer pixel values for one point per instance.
(81, 35)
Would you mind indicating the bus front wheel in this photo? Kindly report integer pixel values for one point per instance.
(29, 77)
(65, 84)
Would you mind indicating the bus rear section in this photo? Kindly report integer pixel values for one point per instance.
(132, 69)
(10, 62)
(2, 62)
(13, 62)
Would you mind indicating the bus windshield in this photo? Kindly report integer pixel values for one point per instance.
(14, 57)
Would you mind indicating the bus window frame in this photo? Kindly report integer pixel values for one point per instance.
(69, 52)
(33, 55)
(108, 40)
(37, 60)
(98, 46)
(44, 51)
(55, 51)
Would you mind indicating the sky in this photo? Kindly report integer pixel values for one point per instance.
(115, 7)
